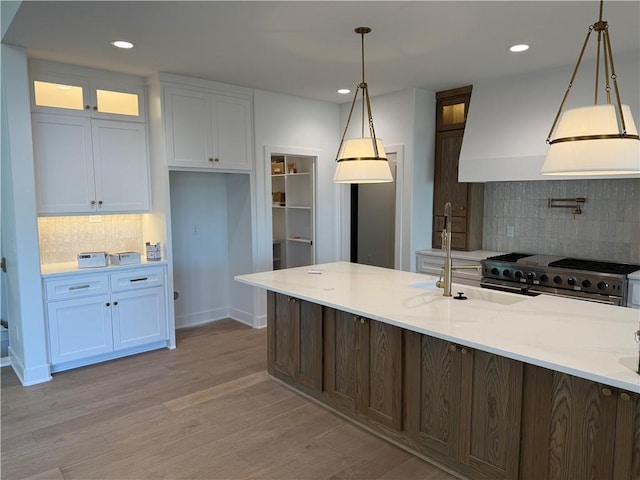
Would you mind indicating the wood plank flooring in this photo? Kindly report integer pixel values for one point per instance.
(204, 410)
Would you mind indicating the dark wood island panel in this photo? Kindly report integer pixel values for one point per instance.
(481, 415)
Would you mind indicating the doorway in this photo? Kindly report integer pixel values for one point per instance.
(373, 221)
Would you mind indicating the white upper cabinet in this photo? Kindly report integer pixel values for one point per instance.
(86, 166)
(207, 129)
(70, 94)
(90, 141)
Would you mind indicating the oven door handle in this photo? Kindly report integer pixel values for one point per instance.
(609, 301)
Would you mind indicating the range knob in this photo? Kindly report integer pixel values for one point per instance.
(519, 274)
(506, 273)
(557, 279)
(544, 277)
(531, 275)
(586, 283)
(602, 285)
(495, 271)
(571, 281)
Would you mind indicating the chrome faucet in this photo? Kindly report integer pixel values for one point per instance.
(445, 283)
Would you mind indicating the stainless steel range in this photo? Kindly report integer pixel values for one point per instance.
(528, 274)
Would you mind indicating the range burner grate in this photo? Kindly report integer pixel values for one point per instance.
(510, 257)
(595, 266)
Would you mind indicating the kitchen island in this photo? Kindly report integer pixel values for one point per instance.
(494, 386)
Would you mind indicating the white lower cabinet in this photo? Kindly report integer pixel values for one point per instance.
(96, 317)
(79, 328)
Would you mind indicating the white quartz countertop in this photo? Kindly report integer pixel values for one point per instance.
(634, 275)
(476, 255)
(585, 339)
(71, 268)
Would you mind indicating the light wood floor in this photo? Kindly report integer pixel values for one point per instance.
(205, 410)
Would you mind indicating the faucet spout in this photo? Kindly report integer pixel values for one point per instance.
(445, 284)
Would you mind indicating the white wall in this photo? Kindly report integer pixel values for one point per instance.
(28, 346)
(405, 118)
(300, 124)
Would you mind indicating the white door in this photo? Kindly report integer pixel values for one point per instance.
(79, 328)
(121, 167)
(139, 317)
(63, 164)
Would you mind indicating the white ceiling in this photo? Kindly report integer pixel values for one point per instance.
(309, 49)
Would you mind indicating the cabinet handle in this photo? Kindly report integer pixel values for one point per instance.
(107, 304)
(141, 279)
(625, 396)
(79, 287)
(606, 392)
(453, 348)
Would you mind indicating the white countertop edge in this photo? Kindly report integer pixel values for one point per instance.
(71, 268)
(634, 275)
(520, 351)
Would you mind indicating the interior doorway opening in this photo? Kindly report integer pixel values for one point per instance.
(373, 221)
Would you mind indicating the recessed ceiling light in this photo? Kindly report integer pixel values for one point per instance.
(343, 91)
(122, 44)
(519, 48)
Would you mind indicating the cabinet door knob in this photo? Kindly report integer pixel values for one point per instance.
(92, 202)
(216, 159)
(355, 318)
(606, 392)
(99, 203)
(87, 107)
(107, 304)
(95, 108)
(211, 159)
(115, 303)
(361, 320)
(453, 348)
(625, 396)
(464, 351)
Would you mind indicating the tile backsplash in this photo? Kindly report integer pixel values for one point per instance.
(607, 229)
(61, 238)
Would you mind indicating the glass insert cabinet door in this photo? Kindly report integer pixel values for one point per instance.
(452, 111)
(78, 96)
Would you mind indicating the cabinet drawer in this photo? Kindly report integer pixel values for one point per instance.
(139, 278)
(76, 286)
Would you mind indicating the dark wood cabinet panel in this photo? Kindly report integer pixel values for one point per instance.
(363, 367)
(491, 397)
(576, 428)
(294, 336)
(467, 199)
(340, 358)
(465, 405)
(381, 374)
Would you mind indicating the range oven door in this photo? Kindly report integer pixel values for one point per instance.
(576, 295)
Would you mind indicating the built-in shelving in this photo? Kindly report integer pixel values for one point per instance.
(293, 210)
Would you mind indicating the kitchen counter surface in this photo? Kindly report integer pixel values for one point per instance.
(585, 339)
(476, 255)
(70, 268)
(634, 275)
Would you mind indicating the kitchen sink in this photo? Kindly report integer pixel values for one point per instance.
(472, 294)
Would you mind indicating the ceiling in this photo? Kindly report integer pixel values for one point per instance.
(309, 49)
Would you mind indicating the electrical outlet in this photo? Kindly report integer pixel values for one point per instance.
(510, 231)
(95, 218)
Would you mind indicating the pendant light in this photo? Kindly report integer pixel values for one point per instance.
(362, 160)
(594, 140)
